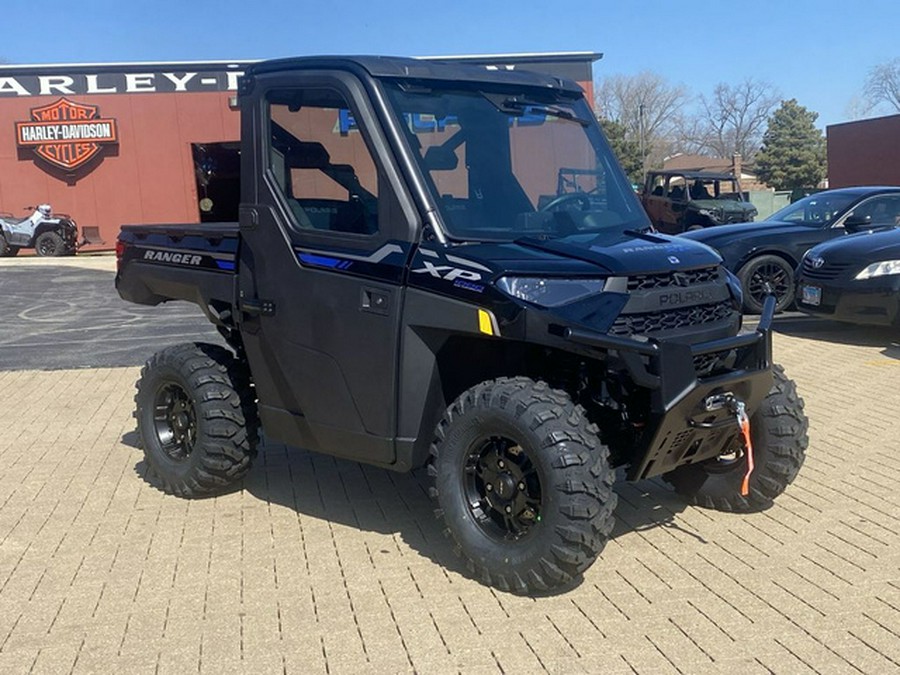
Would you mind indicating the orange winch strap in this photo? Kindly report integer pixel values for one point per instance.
(744, 423)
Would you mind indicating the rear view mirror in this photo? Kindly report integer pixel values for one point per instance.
(439, 158)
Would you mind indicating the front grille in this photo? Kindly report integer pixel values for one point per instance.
(825, 272)
(646, 282)
(672, 319)
(715, 363)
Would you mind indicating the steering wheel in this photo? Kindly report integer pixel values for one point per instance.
(581, 197)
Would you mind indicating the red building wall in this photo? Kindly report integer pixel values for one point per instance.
(866, 152)
(160, 110)
(149, 178)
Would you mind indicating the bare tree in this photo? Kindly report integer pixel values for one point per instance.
(732, 120)
(883, 85)
(645, 104)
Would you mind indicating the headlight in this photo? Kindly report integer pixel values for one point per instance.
(715, 214)
(879, 269)
(549, 292)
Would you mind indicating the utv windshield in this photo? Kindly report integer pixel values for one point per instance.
(509, 165)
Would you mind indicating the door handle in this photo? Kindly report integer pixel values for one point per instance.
(375, 300)
(257, 307)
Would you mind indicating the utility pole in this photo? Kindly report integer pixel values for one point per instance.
(641, 136)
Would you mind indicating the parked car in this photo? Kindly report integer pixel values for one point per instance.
(764, 255)
(677, 201)
(855, 278)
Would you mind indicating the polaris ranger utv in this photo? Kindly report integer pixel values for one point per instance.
(443, 266)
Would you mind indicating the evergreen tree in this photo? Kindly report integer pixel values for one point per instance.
(793, 152)
(626, 150)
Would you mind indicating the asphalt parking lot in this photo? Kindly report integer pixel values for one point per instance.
(321, 565)
(68, 315)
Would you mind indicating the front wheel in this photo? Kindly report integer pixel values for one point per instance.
(764, 276)
(197, 419)
(49, 244)
(523, 484)
(778, 431)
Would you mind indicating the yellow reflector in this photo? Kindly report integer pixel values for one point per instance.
(485, 325)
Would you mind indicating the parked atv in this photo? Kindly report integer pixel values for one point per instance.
(47, 233)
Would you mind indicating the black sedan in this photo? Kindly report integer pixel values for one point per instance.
(855, 278)
(764, 255)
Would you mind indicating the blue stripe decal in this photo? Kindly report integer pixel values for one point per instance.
(324, 261)
(225, 265)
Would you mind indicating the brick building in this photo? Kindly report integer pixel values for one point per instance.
(865, 152)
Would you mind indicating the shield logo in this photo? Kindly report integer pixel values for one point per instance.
(66, 134)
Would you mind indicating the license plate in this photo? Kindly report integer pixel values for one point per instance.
(812, 295)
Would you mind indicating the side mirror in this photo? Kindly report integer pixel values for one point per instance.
(440, 158)
(855, 224)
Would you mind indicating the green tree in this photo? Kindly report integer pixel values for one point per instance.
(627, 151)
(793, 151)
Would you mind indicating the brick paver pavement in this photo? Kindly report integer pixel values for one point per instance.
(321, 565)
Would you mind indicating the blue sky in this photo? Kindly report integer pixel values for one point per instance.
(817, 52)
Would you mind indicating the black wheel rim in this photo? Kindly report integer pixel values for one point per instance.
(502, 488)
(175, 421)
(769, 278)
(47, 246)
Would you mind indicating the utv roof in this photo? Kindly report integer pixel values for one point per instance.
(394, 67)
(711, 175)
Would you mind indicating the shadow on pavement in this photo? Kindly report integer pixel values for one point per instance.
(378, 500)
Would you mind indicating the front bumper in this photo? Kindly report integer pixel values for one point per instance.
(870, 301)
(684, 427)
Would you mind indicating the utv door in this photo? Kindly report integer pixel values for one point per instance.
(654, 197)
(324, 230)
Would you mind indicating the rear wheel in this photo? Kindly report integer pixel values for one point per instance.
(764, 276)
(49, 244)
(197, 419)
(5, 248)
(778, 431)
(523, 485)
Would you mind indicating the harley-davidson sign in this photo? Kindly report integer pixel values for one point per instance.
(66, 134)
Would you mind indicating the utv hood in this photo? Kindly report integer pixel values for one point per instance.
(612, 253)
(726, 205)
